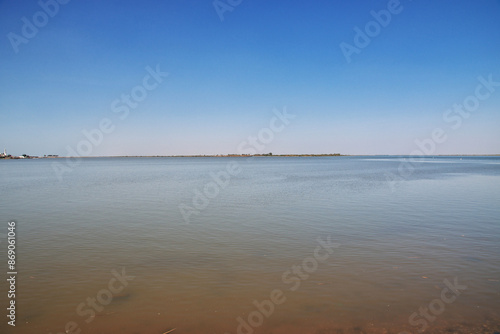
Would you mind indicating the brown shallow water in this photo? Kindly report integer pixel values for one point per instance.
(394, 247)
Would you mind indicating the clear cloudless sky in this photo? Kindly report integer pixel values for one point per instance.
(225, 77)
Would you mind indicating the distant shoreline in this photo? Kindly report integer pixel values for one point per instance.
(250, 156)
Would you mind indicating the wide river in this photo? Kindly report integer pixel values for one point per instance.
(278, 245)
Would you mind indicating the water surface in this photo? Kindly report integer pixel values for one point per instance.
(403, 228)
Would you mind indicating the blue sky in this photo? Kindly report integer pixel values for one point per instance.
(225, 78)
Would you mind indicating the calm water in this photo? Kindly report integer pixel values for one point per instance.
(397, 243)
